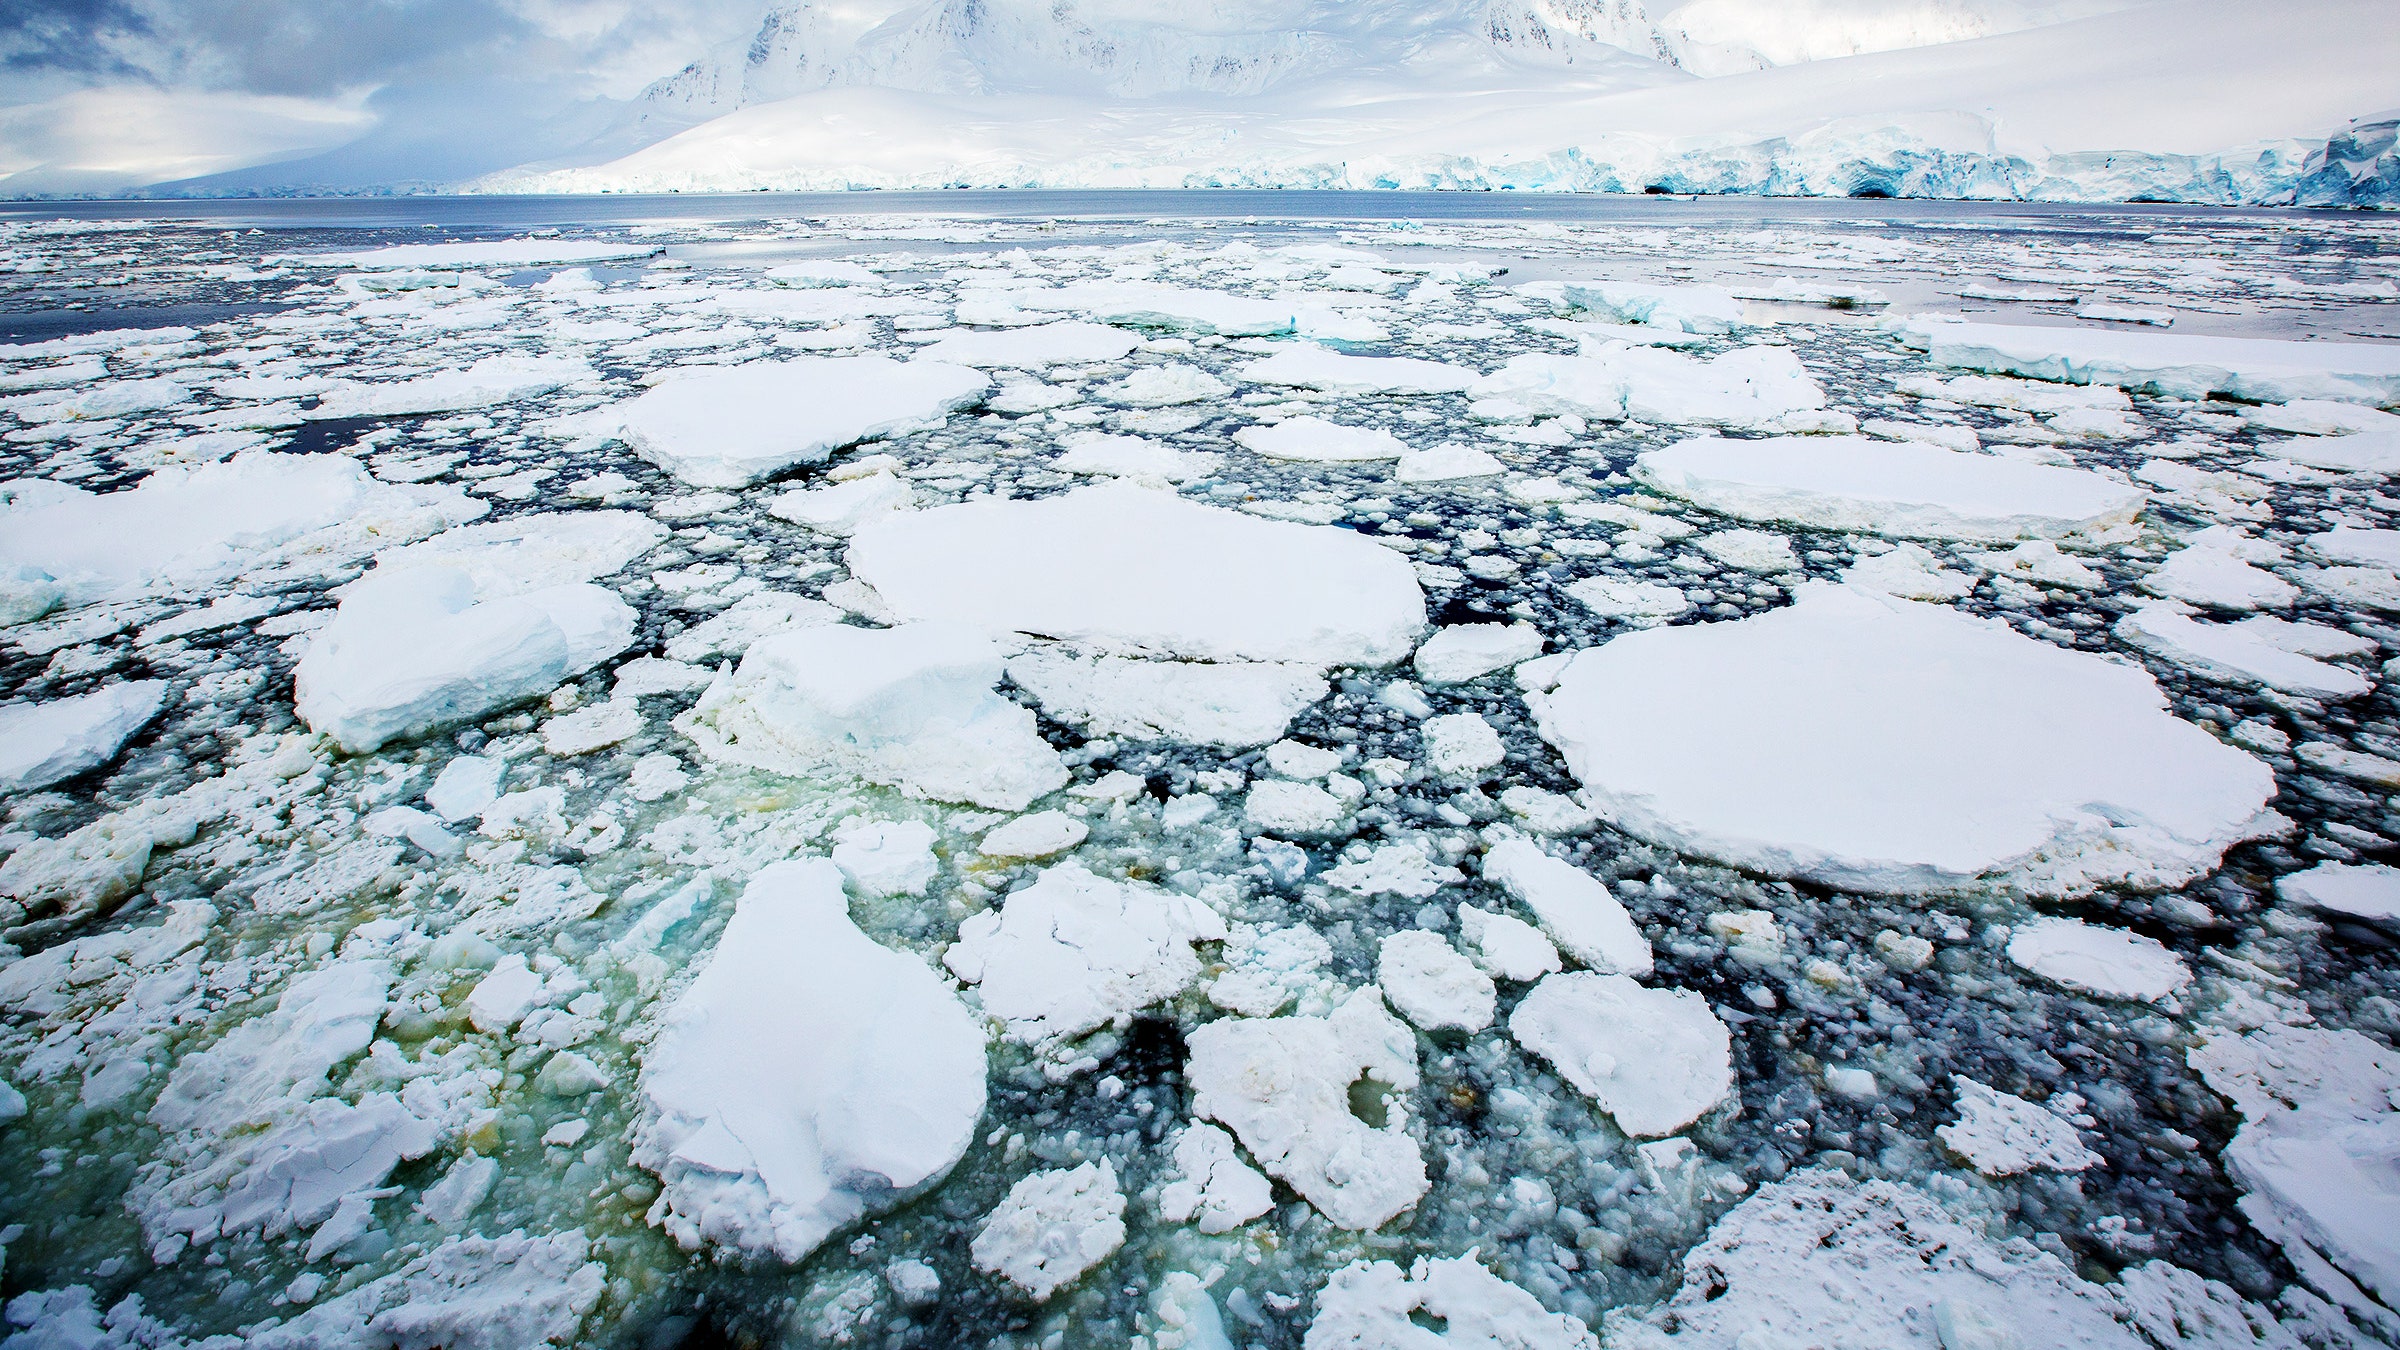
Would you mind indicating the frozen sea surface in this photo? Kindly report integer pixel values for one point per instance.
(1348, 961)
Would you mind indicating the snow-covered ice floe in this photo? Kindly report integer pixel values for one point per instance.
(808, 1076)
(2264, 370)
(41, 743)
(737, 426)
(1887, 745)
(1136, 570)
(1887, 487)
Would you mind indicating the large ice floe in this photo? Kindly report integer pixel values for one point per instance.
(1073, 952)
(1888, 487)
(733, 427)
(1135, 570)
(913, 707)
(808, 1077)
(2263, 370)
(1888, 745)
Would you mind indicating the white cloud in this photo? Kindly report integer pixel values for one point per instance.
(105, 139)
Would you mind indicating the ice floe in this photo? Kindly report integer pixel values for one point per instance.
(2001, 1134)
(1116, 564)
(2111, 962)
(1052, 1227)
(2263, 370)
(1573, 908)
(1074, 951)
(2368, 891)
(1284, 1086)
(413, 650)
(2237, 653)
(1654, 1059)
(42, 743)
(1885, 487)
(738, 426)
(1236, 704)
(913, 706)
(1887, 745)
(1747, 387)
(780, 1109)
(1376, 1303)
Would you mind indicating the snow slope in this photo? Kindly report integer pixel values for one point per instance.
(2201, 100)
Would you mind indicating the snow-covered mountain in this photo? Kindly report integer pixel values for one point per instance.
(2207, 100)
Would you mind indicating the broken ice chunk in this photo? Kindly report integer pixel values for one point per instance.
(1880, 487)
(1457, 743)
(1074, 951)
(2002, 1135)
(1040, 835)
(1432, 985)
(1655, 1059)
(44, 743)
(1214, 1189)
(1506, 946)
(2110, 962)
(1897, 747)
(731, 427)
(1573, 907)
(1377, 1304)
(1114, 564)
(914, 707)
(886, 857)
(410, 651)
(1052, 1227)
(1465, 652)
(1285, 1086)
(778, 1109)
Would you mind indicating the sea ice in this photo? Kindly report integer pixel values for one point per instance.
(534, 552)
(1115, 564)
(840, 508)
(1821, 1259)
(1459, 743)
(1890, 746)
(469, 1293)
(1431, 984)
(1685, 309)
(2219, 567)
(1316, 440)
(2262, 370)
(1655, 1059)
(2110, 962)
(182, 531)
(886, 857)
(1034, 348)
(1074, 951)
(487, 382)
(1900, 488)
(1469, 651)
(2318, 1149)
(44, 743)
(1506, 946)
(1376, 1304)
(807, 1075)
(1214, 1190)
(914, 707)
(734, 427)
(409, 651)
(2001, 1135)
(2235, 654)
(1746, 387)
(1236, 704)
(1284, 1085)
(1042, 834)
(1572, 906)
(2369, 891)
(1052, 1227)
(498, 253)
(1305, 365)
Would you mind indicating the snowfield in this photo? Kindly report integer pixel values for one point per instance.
(1577, 780)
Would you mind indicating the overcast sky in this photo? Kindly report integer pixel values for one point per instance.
(420, 87)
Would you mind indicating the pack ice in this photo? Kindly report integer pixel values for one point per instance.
(779, 1109)
(1884, 745)
(2263, 370)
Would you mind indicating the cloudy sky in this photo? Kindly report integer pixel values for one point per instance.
(101, 94)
